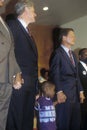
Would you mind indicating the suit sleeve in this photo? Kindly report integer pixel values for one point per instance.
(55, 71)
(4, 49)
(80, 88)
(12, 57)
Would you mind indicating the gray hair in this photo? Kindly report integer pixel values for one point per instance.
(20, 6)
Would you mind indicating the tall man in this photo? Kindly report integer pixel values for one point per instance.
(83, 77)
(21, 109)
(64, 73)
(8, 69)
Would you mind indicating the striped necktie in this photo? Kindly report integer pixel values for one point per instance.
(71, 57)
(28, 30)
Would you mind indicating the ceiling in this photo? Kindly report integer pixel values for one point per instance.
(60, 11)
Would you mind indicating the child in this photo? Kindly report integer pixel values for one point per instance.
(45, 107)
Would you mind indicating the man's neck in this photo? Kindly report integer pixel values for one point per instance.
(24, 19)
(67, 45)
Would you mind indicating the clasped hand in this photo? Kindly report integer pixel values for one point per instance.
(82, 97)
(61, 97)
(18, 81)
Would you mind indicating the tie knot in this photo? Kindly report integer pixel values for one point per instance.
(28, 30)
(70, 52)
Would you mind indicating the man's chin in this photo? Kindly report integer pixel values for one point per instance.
(33, 21)
(72, 44)
(1, 4)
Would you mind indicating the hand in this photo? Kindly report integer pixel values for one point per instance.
(37, 96)
(61, 97)
(18, 81)
(82, 97)
(55, 103)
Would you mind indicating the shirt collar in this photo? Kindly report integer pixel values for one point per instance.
(23, 23)
(0, 18)
(65, 48)
(47, 98)
(84, 65)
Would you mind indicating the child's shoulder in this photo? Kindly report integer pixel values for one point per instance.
(40, 98)
(39, 102)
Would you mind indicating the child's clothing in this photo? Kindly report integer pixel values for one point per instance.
(46, 111)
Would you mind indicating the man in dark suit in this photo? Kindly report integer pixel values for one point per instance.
(21, 109)
(83, 77)
(64, 73)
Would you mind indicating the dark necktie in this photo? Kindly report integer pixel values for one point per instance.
(71, 57)
(28, 30)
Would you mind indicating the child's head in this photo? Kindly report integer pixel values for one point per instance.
(48, 89)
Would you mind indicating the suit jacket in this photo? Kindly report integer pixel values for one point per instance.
(26, 54)
(8, 68)
(83, 77)
(8, 64)
(65, 75)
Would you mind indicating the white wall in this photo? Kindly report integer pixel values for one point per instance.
(80, 28)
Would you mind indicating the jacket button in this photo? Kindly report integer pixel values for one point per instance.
(2, 43)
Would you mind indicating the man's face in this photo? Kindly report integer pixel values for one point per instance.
(84, 55)
(30, 13)
(1, 3)
(70, 38)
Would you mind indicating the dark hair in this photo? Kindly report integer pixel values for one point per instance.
(46, 84)
(81, 51)
(55, 37)
(43, 71)
(64, 32)
(20, 6)
(10, 17)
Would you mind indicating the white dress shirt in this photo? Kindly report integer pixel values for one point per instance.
(67, 51)
(23, 23)
(84, 65)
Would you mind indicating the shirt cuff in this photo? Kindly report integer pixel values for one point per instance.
(81, 91)
(59, 91)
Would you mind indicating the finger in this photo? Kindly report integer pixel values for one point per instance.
(22, 81)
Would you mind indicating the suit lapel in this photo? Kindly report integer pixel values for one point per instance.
(68, 59)
(31, 42)
(5, 31)
(82, 67)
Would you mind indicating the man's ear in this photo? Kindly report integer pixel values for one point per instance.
(64, 38)
(79, 57)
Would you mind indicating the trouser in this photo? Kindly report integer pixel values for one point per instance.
(84, 115)
(68, 116)
(5, 94)
(21, 110)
